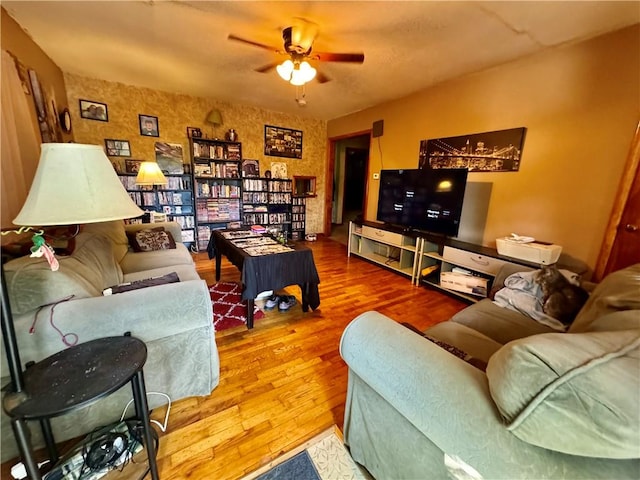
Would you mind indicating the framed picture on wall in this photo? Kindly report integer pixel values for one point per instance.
(498, 151)
(149, 126)
(117, 148)
(132, 166)
(282, 142)
(92, 110)
(169, 157)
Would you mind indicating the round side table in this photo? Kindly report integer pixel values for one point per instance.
(75, 378)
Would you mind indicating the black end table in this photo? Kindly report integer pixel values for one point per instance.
(75, 378)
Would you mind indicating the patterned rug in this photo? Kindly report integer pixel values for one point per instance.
(228, 308)
(324, 457)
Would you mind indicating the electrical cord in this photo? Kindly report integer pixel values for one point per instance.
(162, 426)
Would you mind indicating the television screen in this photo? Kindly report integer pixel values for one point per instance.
(427, 199)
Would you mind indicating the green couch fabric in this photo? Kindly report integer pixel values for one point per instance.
(581, 394)
(409, 402)
(174, 320)
(619, 291)
(85, 273)
(551, 406)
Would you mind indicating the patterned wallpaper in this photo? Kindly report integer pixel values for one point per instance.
(176, 112)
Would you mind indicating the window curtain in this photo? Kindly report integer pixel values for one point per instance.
(20, 147)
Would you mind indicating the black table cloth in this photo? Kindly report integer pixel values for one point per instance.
(269, 272)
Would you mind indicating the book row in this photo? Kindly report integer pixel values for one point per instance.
(217, 190)
(216, 170)
(174, 183)
(218, 151)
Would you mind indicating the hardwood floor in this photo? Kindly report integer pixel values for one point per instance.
(284, 381)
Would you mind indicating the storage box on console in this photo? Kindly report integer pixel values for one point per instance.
(536, 252)
(461, 282)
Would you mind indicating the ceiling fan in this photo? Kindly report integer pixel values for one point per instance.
(298, 47)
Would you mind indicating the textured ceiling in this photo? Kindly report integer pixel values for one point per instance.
(182, 46)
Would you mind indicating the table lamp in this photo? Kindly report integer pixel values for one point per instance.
(214, 118)
(73, 184)
(150, 174)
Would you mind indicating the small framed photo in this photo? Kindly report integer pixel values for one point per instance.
(94, 110)
(132, 166)
(117, 148)
(250, 168)
(149, 126)
(194, 132)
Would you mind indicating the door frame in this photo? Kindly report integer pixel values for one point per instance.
(366, 175)
(328, 190)
(630, 173)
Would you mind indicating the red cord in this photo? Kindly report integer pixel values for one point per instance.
(63, 336)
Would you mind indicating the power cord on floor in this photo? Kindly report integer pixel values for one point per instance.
(162, 427)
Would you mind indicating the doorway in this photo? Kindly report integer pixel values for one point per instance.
(350, 171)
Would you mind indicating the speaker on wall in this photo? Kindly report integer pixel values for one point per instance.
(378, 128)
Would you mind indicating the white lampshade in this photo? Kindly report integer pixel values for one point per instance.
(75, 184)
(150, 174)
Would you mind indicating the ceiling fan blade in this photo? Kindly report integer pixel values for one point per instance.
(338, 57)
(321, 77)
(251, 42)
(267, 68)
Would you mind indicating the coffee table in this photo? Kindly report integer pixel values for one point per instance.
(268, 272)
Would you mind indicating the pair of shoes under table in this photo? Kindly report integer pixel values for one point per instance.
(283, 302)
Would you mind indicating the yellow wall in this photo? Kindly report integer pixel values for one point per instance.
(580, 105)
(176, 112)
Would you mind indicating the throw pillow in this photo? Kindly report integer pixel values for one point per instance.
(152, 239)
(572, 393)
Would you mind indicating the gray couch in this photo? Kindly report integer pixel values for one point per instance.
(550, 405)
(174, 320)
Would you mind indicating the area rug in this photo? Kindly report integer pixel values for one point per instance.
(324, 457)
(228, 308)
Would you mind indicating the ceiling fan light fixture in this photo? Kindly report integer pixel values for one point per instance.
(285, 70)
(307, 71)
(296, 73)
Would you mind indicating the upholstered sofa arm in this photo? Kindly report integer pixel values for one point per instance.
(446, 399)
(172, 227)
(149, 313)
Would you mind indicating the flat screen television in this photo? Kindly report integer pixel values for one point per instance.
(429, 200)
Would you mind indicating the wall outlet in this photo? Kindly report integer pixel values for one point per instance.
(376, 176)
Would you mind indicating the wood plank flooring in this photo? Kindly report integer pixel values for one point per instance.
(284, 381)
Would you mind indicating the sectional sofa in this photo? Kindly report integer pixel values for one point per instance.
(175, 320)
(506, 398)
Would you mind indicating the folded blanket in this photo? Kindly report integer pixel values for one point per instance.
(523, 294)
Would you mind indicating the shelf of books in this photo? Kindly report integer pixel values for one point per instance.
(175, 200)
(217, 186)
(267, 202)
(298, 220)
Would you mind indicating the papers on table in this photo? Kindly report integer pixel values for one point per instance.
(260, 245)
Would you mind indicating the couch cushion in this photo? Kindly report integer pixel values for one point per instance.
(141, 261)
(572, 393)
(114, 231)
(500, 324)
(618, 291)
(467, 339)
(91, 267)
